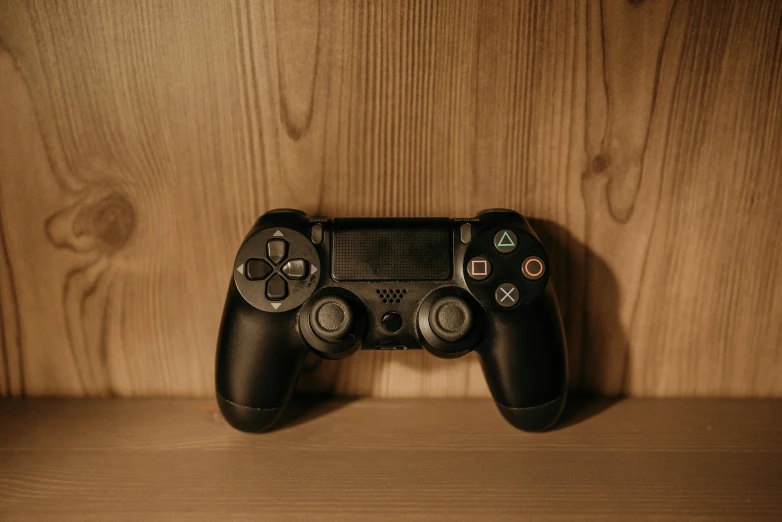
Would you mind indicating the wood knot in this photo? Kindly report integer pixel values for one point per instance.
(113, 220)
(635, 2)
(101, 221)
(601, 162)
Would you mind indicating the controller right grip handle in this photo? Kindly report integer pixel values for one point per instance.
(259, 358)
(524, 360)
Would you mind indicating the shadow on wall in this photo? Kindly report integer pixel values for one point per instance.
(590, 301)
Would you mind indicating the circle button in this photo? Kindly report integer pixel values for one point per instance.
(391, 321)
(479, 268)
(533, 268)
(505, 241)
(506, 295)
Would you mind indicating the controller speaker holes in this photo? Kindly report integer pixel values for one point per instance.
(391, 295)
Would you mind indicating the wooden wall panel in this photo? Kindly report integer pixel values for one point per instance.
(139, 141)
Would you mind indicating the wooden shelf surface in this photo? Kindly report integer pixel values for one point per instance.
(375, 459)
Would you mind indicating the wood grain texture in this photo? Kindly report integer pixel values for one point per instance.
(388, 459)
(139, 141)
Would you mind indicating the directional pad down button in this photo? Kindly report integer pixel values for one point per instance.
(276, 288)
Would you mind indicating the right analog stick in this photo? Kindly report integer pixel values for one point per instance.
(331, 318)
(451, 319)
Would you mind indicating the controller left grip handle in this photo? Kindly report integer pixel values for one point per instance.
(259, 358)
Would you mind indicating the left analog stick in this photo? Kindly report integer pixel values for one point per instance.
(331, 318)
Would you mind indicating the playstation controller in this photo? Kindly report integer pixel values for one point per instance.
(304, 285)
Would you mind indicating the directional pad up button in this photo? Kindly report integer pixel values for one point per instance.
(296, 269)
(276, 288)
(277, 249)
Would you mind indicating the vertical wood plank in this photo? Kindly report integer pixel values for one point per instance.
(139, 140)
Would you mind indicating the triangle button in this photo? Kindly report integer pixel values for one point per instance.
(240, 269)
(505, 241)
(278, 234)
(276, 305)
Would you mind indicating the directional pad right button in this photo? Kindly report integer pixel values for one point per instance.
(296, 268)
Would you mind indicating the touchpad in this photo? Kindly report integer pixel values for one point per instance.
(390, 250)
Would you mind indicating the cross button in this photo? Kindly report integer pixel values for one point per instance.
(506, 295)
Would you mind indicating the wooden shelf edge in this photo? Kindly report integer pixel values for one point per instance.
(350, 459)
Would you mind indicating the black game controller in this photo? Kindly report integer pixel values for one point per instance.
(330, 286)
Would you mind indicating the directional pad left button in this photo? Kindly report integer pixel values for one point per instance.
(256, 269)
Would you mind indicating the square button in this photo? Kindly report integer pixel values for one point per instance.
(479, 268)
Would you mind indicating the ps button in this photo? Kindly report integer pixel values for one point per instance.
(276, 288)
(295, 269)
(479, 268)
(506, 295)
(533, 268)
(316, 234)
(256, 269)
(392, 321)
(505, 241)
(277, 249)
